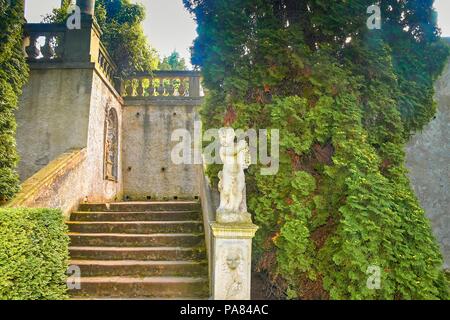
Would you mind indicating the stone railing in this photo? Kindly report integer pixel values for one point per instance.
(209, 198)
(107, 66)
(54, 43)
(163, 84)
(44, 42)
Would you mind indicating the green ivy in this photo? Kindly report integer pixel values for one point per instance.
(345, 100)
(33, 254)
(13, 75)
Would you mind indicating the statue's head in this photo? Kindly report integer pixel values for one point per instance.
(233, 259)
(227, 136)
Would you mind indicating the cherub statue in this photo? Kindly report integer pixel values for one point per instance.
(235, 158)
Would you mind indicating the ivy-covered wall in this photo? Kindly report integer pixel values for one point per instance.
(13, 74)
(345, 99)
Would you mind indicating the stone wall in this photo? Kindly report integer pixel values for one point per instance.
(61, 184)
(52, 116)
(64, 108)
(428, 160)
(148, 172)
(103, 97)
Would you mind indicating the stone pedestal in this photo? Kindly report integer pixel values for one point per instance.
(232, 255)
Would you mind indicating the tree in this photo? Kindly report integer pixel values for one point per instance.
(123, 36)
(173, 62)
(13, 75)
(345, 99)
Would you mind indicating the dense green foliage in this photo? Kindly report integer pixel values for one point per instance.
(33, 254)
(172, 62)
(13, 75)
(345, 99)
(123, 35)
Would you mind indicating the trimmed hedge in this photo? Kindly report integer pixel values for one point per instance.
(33, 254)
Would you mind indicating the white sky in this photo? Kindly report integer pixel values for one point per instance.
(169, 26)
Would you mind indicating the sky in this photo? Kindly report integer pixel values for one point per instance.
(170, 27)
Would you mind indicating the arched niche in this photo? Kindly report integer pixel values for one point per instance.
(111, 154)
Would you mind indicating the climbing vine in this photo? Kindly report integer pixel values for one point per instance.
(13, 75)
(345, 99)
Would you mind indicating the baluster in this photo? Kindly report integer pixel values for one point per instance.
(129, 88)
(47, 50)
(107, 70)
(32, 50)
(151, 88)
(182, 87)
(140, 88)
(100, 60)
(171, 87)
(104, 65)
(161, 89)
(59, 49)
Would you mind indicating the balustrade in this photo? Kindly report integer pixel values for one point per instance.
(45, 42)
(164, 84)
(48, 42)
(106, 65)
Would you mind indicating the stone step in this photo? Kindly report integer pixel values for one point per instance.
(138, 253)
(131, 287)
(136, 227)
(136, 240)
(136, 216)
(133, 268)
(141, 206)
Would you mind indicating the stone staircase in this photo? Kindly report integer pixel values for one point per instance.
(135, 250)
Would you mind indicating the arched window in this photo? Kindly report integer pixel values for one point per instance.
(111, 160)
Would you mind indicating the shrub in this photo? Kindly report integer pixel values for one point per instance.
(345, 100)
(33, 254)
(13, 75)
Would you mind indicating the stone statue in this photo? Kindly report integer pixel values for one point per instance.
(235, 158)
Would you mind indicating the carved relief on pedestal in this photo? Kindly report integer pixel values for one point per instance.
(234, 282)
(111, 154)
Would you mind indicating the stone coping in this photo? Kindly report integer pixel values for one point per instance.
(234, 231)
(163, 101)
(45, 177)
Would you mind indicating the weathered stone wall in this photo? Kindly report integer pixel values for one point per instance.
(54, 185)
(148, 172)
(103, 97)
(53, 116)
(62, 109)
(428, 160)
